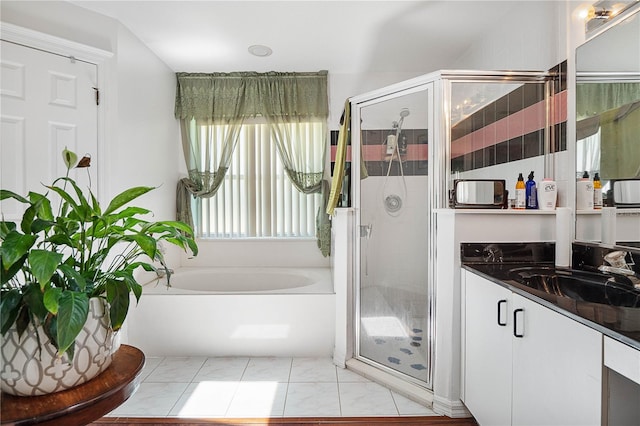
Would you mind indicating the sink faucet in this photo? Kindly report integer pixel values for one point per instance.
(492, 253)
(618, 265)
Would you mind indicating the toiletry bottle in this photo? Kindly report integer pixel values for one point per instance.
(531, 193)
(597, 192)
(584, 193)
(548, 194)
(520, 193)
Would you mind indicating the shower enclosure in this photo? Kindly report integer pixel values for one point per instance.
(402, 147)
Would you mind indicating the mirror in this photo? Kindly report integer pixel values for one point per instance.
(478, 193)
(608, 125)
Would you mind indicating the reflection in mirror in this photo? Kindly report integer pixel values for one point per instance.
(626, 193)
(608, 123)
(478, 193)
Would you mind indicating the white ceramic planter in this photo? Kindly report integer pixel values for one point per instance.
(27, 371)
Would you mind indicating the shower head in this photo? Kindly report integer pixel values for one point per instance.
(404, 112)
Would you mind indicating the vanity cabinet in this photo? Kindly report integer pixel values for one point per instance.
(525, 364)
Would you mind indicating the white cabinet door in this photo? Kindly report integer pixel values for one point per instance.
(557, 370)
(488, 319)
(48, 102)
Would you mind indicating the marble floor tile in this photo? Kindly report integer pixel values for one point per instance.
(258, 399)
(222, 368)
(273, 369)
(205, 399)
(304, 370)
(176, 369)
(366, 399)
(312, 399)
(407, 407)
(150, 364)
(243, 387)
(151, 400)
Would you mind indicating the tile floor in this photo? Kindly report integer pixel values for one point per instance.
(259, 387)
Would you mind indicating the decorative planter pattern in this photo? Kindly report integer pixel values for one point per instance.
(29, 371)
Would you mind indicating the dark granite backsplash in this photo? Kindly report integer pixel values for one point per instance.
(535, 252)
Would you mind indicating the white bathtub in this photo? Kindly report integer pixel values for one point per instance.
(236, 312)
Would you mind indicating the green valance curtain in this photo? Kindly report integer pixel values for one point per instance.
(228, 99)
(596, 98)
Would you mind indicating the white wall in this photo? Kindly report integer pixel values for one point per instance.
(531, 37)
(146, 149)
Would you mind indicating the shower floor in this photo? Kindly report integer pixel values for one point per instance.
(392, 332)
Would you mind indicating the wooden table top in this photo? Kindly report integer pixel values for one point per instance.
(82, 404)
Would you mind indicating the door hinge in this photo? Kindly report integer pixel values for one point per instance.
(97, 95)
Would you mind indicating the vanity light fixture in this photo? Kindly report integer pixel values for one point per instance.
(260, 50)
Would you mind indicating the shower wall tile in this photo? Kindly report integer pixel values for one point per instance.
(515, 149)
(513, 124)
(500, 132)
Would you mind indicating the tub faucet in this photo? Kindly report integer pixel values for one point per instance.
(163, 272)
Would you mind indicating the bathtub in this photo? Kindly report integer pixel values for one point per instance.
(247, 311)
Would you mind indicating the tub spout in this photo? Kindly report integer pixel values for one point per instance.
(164, 272)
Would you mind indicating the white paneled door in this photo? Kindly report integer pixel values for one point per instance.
(49, 102)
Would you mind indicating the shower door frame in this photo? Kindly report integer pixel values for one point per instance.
(421, 390)
(445, 385)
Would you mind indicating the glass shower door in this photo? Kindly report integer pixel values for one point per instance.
(392, 324)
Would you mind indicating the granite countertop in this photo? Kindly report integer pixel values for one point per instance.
(618, 322)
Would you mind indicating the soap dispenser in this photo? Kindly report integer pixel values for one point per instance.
(521, 199)
(584, 193)
(531, 193)
(597, 192)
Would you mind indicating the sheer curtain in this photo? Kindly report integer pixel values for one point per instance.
(285, 100)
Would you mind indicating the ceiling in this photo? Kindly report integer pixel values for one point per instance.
(340, 36)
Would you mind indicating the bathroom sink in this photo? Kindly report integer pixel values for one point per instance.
(579, 285)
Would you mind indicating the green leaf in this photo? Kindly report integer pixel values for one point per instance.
(72, 314)
(27, 219)
(125, 197)
(5, 228)
(44, 264)
(4, 194)
(118, 298)
(51, 299)
(43, 206)
(147, 244)
(7, 274)
(33, 298)
(14, 247)
(73, 276)
(9, 308)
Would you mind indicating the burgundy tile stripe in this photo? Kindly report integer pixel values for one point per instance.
(520, 123)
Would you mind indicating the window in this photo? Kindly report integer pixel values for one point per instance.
(256, 198)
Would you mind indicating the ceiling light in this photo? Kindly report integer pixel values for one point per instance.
(260, 50)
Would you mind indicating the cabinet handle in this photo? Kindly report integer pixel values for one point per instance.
(515, 323)
(500, 302)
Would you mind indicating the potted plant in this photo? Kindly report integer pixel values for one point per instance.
(67, 277)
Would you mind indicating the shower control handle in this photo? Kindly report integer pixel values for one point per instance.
(500, 323)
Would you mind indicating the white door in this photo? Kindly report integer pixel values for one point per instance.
(48, 102)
